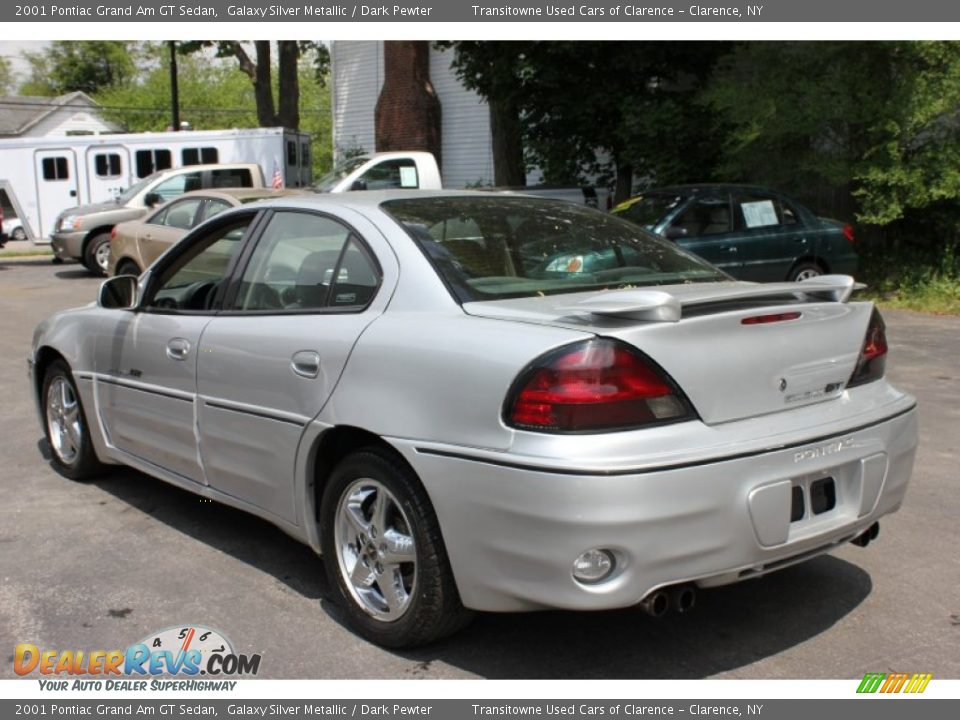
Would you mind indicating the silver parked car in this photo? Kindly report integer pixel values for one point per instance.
(476, 402)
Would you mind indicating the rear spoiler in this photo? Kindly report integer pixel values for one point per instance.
(661, 306)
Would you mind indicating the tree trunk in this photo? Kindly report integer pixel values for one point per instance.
(289, 82)
(262, 86)
(507, 141)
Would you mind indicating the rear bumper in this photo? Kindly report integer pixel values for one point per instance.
(512, 531)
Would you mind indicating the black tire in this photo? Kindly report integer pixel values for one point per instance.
(71, 451)
(433, 609)
(128, 267)
(96, 254)
(19, 234)
(804, 270)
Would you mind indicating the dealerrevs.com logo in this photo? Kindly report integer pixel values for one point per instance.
(186, 652)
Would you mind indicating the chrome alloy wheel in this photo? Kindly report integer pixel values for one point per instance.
(63, 420)
(375, 549)
(102, 256)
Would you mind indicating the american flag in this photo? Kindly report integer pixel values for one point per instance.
(277, 175)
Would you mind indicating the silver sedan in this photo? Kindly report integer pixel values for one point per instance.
(466, 401)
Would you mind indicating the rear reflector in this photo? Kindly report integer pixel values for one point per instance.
(776, 317)
(593, 385)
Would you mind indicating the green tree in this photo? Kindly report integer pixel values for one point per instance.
(213, 95)
(89, 66)
(870, 127)
(597, 108)
(283, 111)
(6, 76)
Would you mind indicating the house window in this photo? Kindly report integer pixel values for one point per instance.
(197, 156)
(55, 168)
(149, 161)
(106, 165)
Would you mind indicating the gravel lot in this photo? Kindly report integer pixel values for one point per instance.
(101, 565)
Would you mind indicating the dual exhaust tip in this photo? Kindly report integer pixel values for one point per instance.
(679, 598)
(682, 598)
(867, 536)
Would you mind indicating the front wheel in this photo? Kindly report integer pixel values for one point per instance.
(96, 256)
(19, 234)
(383, 552)
(66, 427)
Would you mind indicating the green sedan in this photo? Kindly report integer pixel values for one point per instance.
(752, 233)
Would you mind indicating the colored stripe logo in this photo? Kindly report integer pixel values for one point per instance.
(894, 682)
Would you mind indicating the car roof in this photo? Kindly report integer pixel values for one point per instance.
(694, 188)
(237, 196)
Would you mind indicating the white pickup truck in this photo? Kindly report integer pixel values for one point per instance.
(418, 170)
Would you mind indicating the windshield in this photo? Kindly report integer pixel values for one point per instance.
(490, 248)
(326, 183)
(131, 192)
(649, 210)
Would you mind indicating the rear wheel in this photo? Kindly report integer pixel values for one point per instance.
(128, 267)
(96, 256)
(804, 271)
(66, 427)
(384, 553)
(19, 234)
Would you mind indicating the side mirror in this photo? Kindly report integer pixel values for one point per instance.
(118, 292)
(674, 232)
(359, 185)
(152, 199)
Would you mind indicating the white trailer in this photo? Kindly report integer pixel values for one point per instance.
(42, 177)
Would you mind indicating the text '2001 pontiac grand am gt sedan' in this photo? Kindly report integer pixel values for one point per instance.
(478, 402)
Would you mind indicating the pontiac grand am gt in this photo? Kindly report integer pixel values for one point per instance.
(480, 402)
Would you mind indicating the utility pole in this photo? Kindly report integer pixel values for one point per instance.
(174, 92)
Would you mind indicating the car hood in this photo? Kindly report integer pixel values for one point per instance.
(728, 368)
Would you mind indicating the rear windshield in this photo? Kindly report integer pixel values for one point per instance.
(490, 248)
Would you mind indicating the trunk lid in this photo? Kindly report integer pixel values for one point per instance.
(729, 369)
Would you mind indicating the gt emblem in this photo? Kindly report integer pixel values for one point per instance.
(783, 384)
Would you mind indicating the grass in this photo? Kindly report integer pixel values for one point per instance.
(24, 253)
(923, 279)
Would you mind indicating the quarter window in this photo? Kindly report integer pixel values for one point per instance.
(56, 168)
(107, 165)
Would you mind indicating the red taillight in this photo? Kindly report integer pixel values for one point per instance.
(593, 385)
(873, 356)
(848, 234)
(113, 232)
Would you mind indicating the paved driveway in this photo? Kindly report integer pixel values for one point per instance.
(101, 565)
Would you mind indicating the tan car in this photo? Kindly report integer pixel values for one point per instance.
(136, 244)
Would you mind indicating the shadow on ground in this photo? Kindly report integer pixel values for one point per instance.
(730, 628)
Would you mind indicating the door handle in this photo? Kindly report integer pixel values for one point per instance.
(178, 349)
(306, 363)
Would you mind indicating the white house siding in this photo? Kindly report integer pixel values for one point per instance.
(465, 129)
(357, 70)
